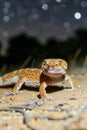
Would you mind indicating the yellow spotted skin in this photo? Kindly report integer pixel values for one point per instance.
(51, 71)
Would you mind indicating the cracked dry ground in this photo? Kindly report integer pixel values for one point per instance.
(67, 109)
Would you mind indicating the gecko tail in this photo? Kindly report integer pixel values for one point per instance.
(9, 81)
(1, 82)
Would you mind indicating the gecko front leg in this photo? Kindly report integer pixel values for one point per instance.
(71, 81)
(42, 90)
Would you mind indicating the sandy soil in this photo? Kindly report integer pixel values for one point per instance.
(66, 110)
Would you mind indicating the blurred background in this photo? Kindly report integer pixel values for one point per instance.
(32, 30)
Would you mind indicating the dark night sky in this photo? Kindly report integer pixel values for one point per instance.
(41, 18)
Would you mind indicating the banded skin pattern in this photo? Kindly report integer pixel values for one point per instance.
(52, 71)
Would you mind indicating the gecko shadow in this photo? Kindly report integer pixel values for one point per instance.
(49, 89)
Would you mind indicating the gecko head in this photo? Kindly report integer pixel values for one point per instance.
(57, 66)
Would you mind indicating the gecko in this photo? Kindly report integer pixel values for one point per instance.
(52, 71)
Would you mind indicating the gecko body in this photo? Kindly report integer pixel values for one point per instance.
(52, 71)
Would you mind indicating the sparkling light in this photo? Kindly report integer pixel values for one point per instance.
(44, 6)
(83, 4)
(35, 16)
(77, 15)
(6, 18)
(58, 0)
(5, 10)
(66, 24)
(7, 4)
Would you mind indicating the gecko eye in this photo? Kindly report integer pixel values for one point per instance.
(56, 65)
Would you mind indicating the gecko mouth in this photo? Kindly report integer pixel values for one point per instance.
(52, 70)
(56, 71)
